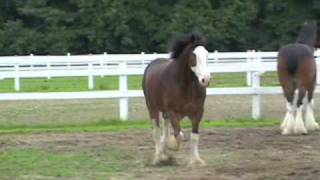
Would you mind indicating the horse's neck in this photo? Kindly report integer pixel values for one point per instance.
(310, 42)
(184, 75)
(307, 39)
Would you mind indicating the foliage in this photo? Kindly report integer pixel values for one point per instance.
(124, 26)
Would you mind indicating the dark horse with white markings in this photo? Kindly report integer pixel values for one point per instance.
(175, 88)
(297, 71)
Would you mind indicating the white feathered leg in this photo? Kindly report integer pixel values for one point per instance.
(173, 142)
(299, 125)
(287, 125)
(194, 147)
(159, 145)
(310, 121)
(166, 129)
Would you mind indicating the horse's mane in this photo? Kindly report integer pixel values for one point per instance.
(193, 38)
(308, 33)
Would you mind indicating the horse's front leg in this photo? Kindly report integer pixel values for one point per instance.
(174, 140)
(196, 160)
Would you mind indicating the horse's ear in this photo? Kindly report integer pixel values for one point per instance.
(197, 38)
(193, 37)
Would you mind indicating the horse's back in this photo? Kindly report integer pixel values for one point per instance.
(295, 57)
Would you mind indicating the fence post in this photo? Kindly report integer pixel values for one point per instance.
(249, 61)
(90, 77)
(16, 78)
(102, 63)
(143, 61)
(256, 84)
(68, 61)
(48, 68)
(123, 87)
(215, 56)
(31, 64)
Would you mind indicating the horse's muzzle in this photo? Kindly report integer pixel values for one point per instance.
(205, 81)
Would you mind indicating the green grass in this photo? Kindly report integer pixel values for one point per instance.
(228, 80)
(270, 79)
(124, 126)
(42, 164)
(70, 84)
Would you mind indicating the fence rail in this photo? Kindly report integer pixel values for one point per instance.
(123, 65)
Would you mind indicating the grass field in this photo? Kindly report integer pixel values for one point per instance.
(111, 83)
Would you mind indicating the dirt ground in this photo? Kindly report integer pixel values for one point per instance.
(230, 154)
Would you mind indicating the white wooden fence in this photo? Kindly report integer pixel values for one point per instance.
(123, 65)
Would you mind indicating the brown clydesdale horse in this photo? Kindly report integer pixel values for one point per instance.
(297, 71)
(175, 88)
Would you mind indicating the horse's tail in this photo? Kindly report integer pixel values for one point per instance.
(292, 64)
(289, 58)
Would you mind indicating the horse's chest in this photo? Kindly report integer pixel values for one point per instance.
(184, 100)
(185, 104)
(189, 106)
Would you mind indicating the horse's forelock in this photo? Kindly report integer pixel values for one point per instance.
(194, 39)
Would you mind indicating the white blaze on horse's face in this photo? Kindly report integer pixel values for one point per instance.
(200, 69)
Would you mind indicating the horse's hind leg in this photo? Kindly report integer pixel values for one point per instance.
(166, 128)
(299, 127)
(310, 122)
(288, 85)
(160, 155)
(174, 140)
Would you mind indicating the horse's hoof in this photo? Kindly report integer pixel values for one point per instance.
(164, 160)
(287, 131)
(173, 143)
(312, 126)
(158, 159)
(197, 162)
(300, 131)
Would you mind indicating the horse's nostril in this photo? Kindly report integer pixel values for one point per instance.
(202, 80)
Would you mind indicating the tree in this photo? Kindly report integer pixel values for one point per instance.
(126, 26)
